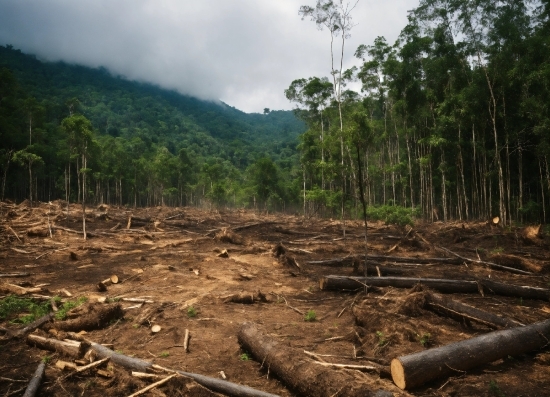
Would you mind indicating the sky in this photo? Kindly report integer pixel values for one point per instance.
(243, 52)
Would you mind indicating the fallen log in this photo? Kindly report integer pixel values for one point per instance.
(396, 259)
(32, 326)
(34, 384)
(97, 317)
(488, 264)
(301, 375)
(461, 311)
(441, 285)
(416, 369)
(67, 348)
(216, 385)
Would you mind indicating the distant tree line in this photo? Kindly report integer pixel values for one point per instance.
(83, 135)
(452, 121)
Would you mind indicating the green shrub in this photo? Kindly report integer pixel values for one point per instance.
(392, 214)
(13, 305)
(310, 316)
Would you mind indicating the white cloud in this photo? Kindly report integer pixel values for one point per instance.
(244, 52)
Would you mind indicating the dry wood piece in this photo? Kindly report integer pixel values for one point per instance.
(217, 385)
(96, 317)
(307, 378)
(34, 384)
(15, 234)
(92, 365)
(69, 349)
(416, 369)
(348, 260)
(129, 225)
(62, 365)
(152, 386)
(489, 264)
(515, 262)
(442, 285)
(15, 275)
(245, 297)
(186, 341)
(532, 234)
(455, 309)
(17, 290)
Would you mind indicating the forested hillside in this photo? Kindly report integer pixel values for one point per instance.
(142, 145)
(452, 121)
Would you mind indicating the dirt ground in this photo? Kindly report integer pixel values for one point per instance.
(185, 261)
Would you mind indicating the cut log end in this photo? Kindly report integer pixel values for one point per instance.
(398, 374)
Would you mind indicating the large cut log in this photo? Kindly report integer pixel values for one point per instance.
(301, 375)
(441, 285)
(217, 385)
(34, 384)
(458, 310)
(353, 283)
(67, 348)
(97, 317)
(416, 369)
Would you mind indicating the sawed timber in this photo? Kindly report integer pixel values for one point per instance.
(67, 348)
(216, 385)
(442, 285)
(299, 374)
(416, 369)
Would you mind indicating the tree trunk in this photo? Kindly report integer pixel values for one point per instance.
(216, 385)
(442, 285)
(416, 369)
(34, 384)
(299, 374)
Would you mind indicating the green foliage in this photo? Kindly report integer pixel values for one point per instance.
(425, 339)
(164, 354)
(191, 312)
(392, 214)
(61, 314)
(13, 305)
(494, 389)
(46, 359)
(245, 357)
(382, 341)
(310, 316)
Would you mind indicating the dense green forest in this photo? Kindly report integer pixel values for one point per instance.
(451, 122)
(68, 131)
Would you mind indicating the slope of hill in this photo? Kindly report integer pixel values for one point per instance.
(211, 135)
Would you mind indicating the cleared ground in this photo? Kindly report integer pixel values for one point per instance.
(190, 261)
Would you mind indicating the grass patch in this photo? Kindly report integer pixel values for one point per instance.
(191, 312)
(244, 357)
(13, 305)
(310, 316)
(164, 354)
(67, 306)
(382, 341)
(425, 339)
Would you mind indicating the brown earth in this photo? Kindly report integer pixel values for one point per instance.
(185, 260)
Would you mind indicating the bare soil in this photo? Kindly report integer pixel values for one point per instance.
(187, 260)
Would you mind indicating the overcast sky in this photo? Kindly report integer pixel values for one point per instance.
(244, 52)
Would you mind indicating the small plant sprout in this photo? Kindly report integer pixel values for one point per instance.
(191, 311)
(425, 339)
(46, 359)
(310, 316)
(494, 389)
(244, 357)
(382, 341)
(164, 354)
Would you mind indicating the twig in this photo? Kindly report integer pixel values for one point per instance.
(152, 386)
(347, 366)
(92, 365)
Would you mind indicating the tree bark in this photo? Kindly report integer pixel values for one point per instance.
(461, 311)
(397, 259)
(217, 385)
(69, 349)
(442, 285)
(96, 318)
(34, 384)
(304, 377)
(416, 369)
